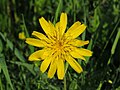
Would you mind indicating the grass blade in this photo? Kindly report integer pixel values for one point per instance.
(19, 55)
(59, 8)
(5, 71)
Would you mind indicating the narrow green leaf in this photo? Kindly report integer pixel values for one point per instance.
(1, 86)
(10, 44)
(53, 87)
(25, 28)
(115, 42)
(0, 69)
(28, 66)
(83, 35)
(89, 48)
(19, 55)
(1, 46)
(3, 37)
(114, 45)
(58, 11)
(99, 87)
(5, 71)
(118, 88)
(73, 85)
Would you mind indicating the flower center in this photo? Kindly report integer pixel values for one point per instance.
(59, 45)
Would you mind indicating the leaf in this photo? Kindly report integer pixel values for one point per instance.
(0, 68)
(28, 66)
(1, 46)
(5, 71)
(19, 55)
(100, 85)
(114, 45)
(115, 42)
(10, 44)
(73, 85)
(25, 28)
(89, 48)
(1, 85)
(3, 37)
(58, 10)
(53, 87)
(118, 88)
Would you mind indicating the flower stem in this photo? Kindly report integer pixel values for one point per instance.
(65, 83)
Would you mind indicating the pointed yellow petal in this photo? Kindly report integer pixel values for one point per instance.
(75, 30)
(36, 56)
(52, 69)
(83, 52)
(53, 33)
(46, 53)
(76, 55)
(45, 25)
(60, 69)
(78, 43)
(63, 22)
(39, 35)
(74, 26)
(39, 55)
(57, 26)
(52, 29)
(45, 64)
(35, 42)
(74, 64)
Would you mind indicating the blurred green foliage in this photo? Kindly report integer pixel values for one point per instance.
(103, 30)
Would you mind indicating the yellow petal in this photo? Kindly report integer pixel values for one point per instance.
(57, 26)
(45, 25)
(74, 26)
(36, 56)
(74, 64)
(46, 53)
(52, 69)
(63, 22)
(52, 29)
(45, 64)
(40, 55)
(83, 52)
(60, 69)
(78, 43)
(40, 35)
(75, 30)
(35, 42)
(76, 55)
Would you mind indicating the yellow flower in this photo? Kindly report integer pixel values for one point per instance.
(58, 46)
(22, 35)
(110, 81)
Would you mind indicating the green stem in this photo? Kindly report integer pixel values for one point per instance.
(66, 67)
(65, 83)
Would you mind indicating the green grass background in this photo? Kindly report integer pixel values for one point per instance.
(102, 18)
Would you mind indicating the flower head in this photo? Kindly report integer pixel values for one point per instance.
(58, 46)
(21, 35)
